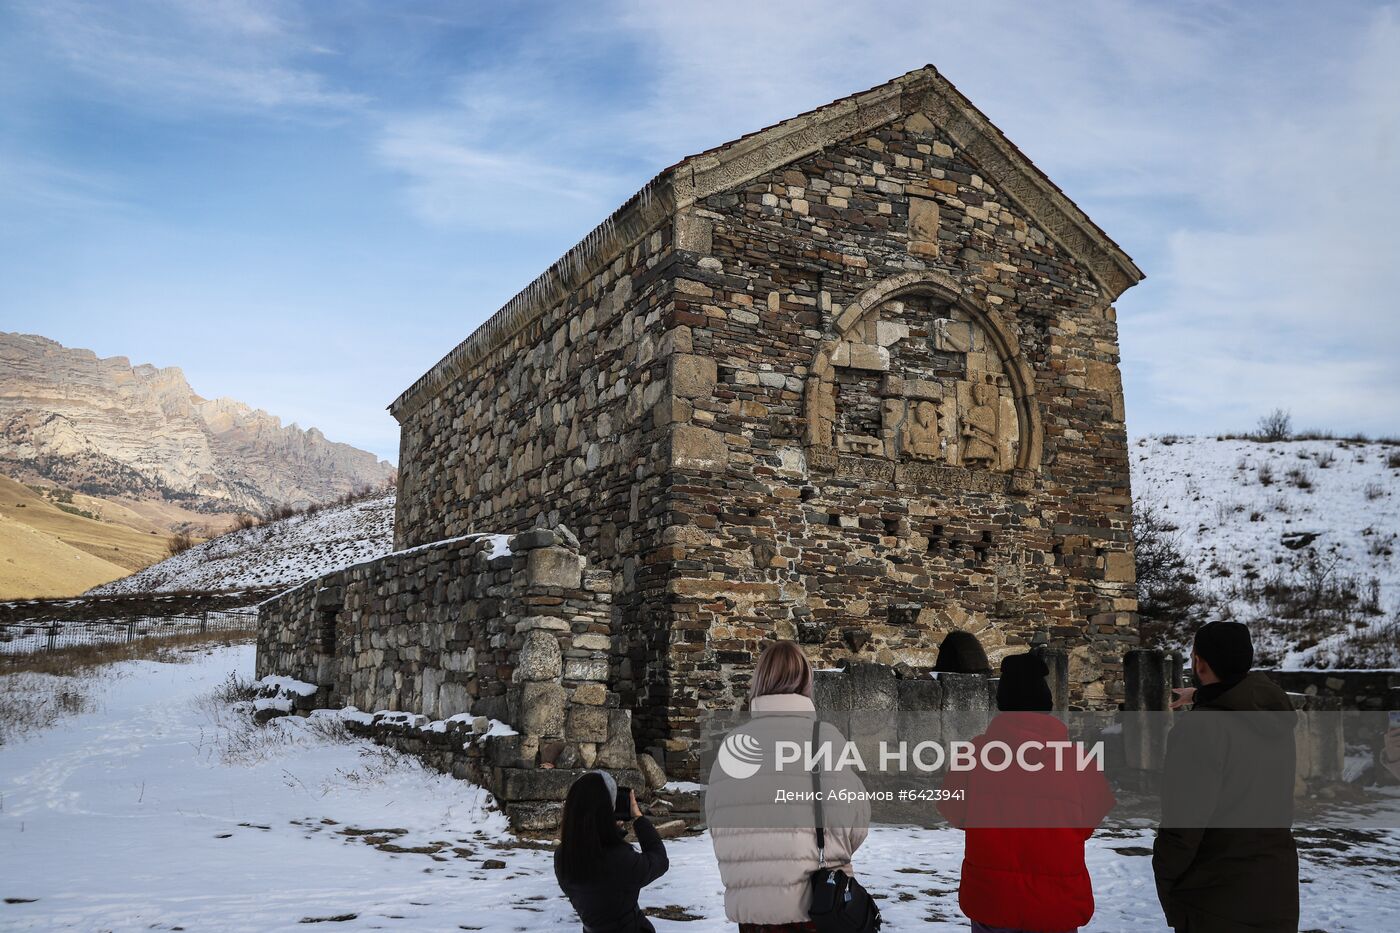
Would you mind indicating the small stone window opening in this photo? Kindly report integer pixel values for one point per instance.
(833, 520)
(891, 527)
(982, 547)
(327, 632)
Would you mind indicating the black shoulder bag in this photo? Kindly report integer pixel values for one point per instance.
(839, 903)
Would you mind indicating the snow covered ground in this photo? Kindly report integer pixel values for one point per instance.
(1323, 513)
(281, 553)
(159, 808)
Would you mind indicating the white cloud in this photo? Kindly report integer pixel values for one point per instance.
(459, 174)
(233, 54)
(1246, 159)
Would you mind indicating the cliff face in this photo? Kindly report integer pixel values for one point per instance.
(106, 427)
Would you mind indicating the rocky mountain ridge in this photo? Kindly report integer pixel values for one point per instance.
(106, 427)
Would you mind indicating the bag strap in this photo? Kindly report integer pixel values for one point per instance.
(817, 796)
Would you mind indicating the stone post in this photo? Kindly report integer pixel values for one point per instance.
(1147, 698)
(1057, 661)
(568, 718)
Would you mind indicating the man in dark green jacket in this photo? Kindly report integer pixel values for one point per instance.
(1225, 860)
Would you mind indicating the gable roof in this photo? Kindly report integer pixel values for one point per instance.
(736, 162)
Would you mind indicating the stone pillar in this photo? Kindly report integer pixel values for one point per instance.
(1057, 661)
(1319, 748)
(1147, 699)
(569, 719)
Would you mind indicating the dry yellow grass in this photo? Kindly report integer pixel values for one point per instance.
(75, 660)
(45, 551)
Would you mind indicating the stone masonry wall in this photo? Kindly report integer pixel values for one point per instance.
(563, 423)
(866, 540)
(456, 629)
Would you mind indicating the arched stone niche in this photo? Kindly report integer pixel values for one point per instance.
(921, 384)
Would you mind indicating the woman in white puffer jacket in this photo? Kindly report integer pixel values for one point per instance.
(767, 852)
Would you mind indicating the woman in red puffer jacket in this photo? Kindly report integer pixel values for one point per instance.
(1023, 866)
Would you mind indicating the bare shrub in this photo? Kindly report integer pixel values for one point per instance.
(1224, 511)
(233, 737)
(1371, 646)
(32, 702)
(1374, 491)
(235, 689)
(1277, 425)
(1265, 474)
(1299, 477)
(280, 512)
(1326, 459)
(243, 521)
(1170, 601)
(1312, 600)
(1393, 460)
(179, 543)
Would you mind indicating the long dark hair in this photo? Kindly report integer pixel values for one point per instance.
(589, 826)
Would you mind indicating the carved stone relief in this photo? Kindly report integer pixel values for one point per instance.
(919, 380)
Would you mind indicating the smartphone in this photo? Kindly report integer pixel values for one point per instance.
(622, 808)
(1395, 719)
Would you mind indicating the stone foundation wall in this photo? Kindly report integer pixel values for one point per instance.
(1358, 690)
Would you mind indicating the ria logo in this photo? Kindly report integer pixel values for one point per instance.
(740, 755)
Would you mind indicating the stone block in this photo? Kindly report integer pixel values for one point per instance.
(888, 333)
(534, 816)
(651, 771)
(1119, 568)
(920, 694)
(693, 376)
(534, 538)
(592, 694)
(868, 356)
(923, 220)
(618, 751)
(831, 691)
(588, 724)
(540, 657)
(697, 448)
(592, 641)
(542, 623)
(536, 783)
(554, 567)
(586, 669)
(694, 233)
(873, 687)
(542, 708)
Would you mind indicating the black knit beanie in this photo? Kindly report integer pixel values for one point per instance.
(1023, 687)
(1227, 648)
(961, 653)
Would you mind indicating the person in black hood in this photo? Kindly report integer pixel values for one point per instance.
(1224, 857)
(961, 653)
(599, 872)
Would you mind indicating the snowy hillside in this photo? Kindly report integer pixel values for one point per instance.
(1296, 538)
(281, 553)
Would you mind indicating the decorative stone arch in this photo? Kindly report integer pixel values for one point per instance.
(820, 406)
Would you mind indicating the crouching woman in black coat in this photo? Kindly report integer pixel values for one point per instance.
(597, 869)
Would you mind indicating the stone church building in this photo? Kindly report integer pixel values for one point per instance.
(851, 379)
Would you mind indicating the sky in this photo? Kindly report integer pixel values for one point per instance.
(304, 205)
